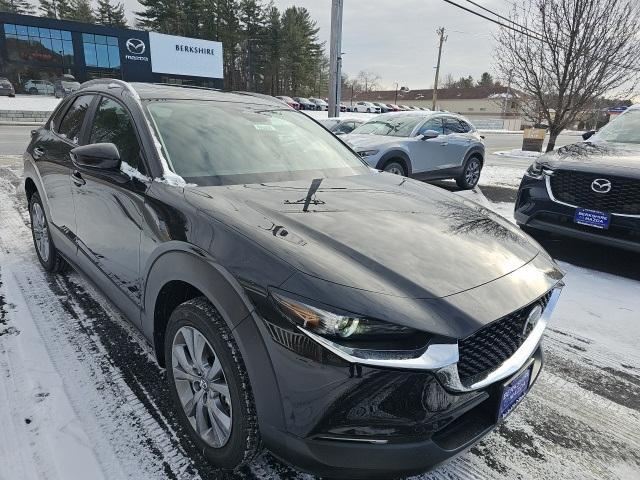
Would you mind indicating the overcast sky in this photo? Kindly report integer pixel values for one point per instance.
(397, 38)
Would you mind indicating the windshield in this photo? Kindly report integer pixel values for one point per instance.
(216, 143)
(624, 129)
(394, 125)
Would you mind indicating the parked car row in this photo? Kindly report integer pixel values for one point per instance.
(356, 324)
(61, 87)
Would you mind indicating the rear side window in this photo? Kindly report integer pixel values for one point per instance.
(454, 125)
(72, 121)
(112, 124)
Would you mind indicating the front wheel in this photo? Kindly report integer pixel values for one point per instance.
(470, 174)
(395, 167)
(210, 385)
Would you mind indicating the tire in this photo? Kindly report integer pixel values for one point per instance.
(396, 167)
(232, 449)
(47, 253)
(470, 173)
(33, 91)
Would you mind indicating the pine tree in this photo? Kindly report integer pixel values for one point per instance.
(273, 34)
(55, 8)
(110, 15)
(81, 11)
(22, 7)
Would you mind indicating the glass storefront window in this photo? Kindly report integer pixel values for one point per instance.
(37, 57)
(101, 51)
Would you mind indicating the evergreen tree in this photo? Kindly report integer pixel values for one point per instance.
(22, 7)
(486, 80)
(273, 34)
(55, 8)
(81, 11)
(109, 14)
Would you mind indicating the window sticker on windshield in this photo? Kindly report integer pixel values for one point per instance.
(268, 127)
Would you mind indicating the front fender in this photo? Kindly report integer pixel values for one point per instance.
(395, 152)
(187, 263)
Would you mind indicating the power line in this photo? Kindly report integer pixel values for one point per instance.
(481, 7)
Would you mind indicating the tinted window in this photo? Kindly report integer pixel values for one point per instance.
(72, 121)
(213, 142)
(432, 124)
(112, 124)
(453, 125)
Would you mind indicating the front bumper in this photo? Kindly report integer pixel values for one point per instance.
(346, 417)
(537, 209)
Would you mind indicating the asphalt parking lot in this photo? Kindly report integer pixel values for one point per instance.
(581, 420)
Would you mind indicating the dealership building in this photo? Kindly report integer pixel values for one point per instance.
(37, 51)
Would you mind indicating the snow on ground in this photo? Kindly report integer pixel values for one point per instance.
(502, 175)
(82, 398)
(38, 103)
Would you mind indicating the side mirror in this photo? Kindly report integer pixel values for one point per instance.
(588, 135)
(102, 156)
(430, 134)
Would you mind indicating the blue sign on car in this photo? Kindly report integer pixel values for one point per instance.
(592, 218)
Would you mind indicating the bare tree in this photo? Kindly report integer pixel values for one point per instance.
(369, 80)
(564, 54)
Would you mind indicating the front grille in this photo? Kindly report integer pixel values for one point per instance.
(489, 347)
(574, 188)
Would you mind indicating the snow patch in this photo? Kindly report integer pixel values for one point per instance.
(30, 103)
(518, 153)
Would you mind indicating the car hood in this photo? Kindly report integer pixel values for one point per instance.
(375, 232)
(364, 141)
(596, 157)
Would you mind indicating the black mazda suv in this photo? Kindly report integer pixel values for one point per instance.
(355, 323)
(588, 190)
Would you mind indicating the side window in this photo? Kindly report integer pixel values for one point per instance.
(453, 125)
(71, 123)
(466, 128)
(112, 124)
(431, 124)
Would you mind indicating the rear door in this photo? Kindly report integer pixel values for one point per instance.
(51, 148)
(109, 205)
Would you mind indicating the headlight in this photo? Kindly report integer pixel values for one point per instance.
(337, 326)
(368, 153)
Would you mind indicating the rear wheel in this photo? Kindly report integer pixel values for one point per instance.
(470, 173)
(210, 386)
(395, 167)
(47, 253)
(33, 91)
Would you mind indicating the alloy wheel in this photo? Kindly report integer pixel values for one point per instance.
(472, 173)
(394, 168)
(202, 386)
(40, 231)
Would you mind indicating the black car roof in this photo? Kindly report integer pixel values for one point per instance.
(151, 91)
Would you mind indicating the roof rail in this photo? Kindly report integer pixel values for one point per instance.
(110, 83)
(187, 86)
(263, 96)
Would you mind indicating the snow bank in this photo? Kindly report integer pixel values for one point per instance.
(29, 103)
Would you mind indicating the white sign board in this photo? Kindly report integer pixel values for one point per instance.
(185, 56)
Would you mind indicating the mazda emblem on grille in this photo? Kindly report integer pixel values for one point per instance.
(601, 185)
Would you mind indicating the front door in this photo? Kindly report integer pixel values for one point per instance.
(109, 205)
(456, 132)
(429, 155)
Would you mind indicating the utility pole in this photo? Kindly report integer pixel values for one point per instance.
(443, 39)
(335, 58)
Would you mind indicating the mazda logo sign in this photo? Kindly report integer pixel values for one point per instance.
(601, 185)
(136, 46)
(532, 320)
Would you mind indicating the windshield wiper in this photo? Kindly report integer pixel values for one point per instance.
(313, 188)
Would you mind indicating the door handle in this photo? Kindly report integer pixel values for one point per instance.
(38, 152)
(77, 178)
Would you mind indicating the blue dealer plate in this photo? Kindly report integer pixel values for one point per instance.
(592, 218)
(514, 392)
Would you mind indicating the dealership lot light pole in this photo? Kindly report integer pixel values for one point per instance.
(335, 58)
